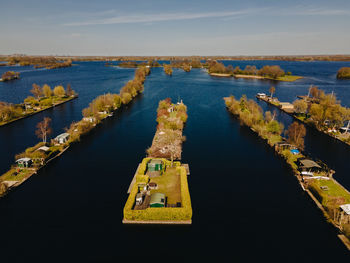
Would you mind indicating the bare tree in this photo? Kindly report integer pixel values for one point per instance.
(272, 90)
(36, 91)
(296, 133)
(43, 129)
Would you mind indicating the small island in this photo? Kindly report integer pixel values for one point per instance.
(218, 69)
(343, 73)
(9, 75)
(168, 69)
(44, 98)
(158, 193)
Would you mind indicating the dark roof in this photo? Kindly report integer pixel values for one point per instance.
(309, 163)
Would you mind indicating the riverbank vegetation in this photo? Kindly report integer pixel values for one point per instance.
(47, 62)
(319, 183)
(168, 69)
(266, 72)
(343, 73)
(324, 112)
(44, 98)
(9, 75)
(39, 155)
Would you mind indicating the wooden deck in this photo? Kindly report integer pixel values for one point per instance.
(157, 222)
(187, 168)
(133, 180)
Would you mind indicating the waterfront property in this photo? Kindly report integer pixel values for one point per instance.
(159, 193)
(62, 138)
(161, 199)
(24, 162)
(317, 180)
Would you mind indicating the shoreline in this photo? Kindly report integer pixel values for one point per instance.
(237, 76)
(292, 114)
(304, 185)
(35, 112)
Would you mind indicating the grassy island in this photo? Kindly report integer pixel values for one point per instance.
(44, 99)
(218, 69)
(314, 176)
(159, 193)
(34, 158)
(9, 75)
(343, 73)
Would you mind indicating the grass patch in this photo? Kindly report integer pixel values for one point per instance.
(169, 184)
(335, 194)
(12, 176)
(289, 78)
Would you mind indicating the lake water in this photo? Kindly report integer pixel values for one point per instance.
(247, 206)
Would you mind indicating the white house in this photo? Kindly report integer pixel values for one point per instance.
(62, 138)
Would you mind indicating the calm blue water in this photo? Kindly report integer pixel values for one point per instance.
(247, 206)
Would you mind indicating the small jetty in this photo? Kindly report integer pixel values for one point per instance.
(158, 192)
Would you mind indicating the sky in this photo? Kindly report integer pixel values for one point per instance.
(171, 28)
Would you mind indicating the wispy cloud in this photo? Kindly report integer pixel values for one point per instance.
(110, 17)
(150, 18)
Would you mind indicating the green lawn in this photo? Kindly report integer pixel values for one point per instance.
(289, 78)
(334, 191)
(169, 184)
(9, 175)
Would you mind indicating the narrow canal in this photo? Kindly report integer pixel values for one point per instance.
(246, 204)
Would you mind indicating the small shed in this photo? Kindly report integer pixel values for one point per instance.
(155, 165)
(24, 162)
(343, 214)
(62, 138)
(157, 200)
(139, 199)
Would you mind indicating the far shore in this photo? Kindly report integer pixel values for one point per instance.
(285, 78)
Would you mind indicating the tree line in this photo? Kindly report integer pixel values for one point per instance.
(266, 71)
(322, 110)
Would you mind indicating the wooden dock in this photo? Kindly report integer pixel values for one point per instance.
(133, 180)
(157, 222)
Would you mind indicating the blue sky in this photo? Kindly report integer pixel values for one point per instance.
(178, 27)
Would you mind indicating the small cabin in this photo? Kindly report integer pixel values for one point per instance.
(307, 165)
(24, 162)
(157, 200)
(155, 165)
(62, 138)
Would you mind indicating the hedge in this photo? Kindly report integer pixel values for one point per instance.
(166, 213)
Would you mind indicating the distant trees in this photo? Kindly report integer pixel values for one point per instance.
(43, 129)
(36, 91)
(273, 72)
(343, 73)
(9, 75)
(168, 69)
(59, 91)
(296, 133)
(47, 91)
